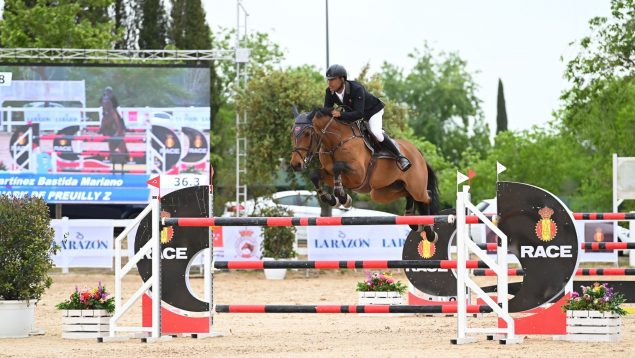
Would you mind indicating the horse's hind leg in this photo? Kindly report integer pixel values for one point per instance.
(424, 209)
(338, 188)
(316, 179)
(410, 210)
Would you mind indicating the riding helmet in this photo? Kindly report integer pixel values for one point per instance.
(336, 71)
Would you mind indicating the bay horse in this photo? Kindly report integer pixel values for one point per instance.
(348, 161)
(112, 126)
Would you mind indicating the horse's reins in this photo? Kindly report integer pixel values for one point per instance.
(342, 141)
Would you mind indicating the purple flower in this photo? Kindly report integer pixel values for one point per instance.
(575, 294)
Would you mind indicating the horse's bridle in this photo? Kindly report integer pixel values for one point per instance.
(298, 130)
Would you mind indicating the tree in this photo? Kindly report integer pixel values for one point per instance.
(270, 117)
(69, 24)
(598, 107)
(265, 55)
(550, 158)
(154, 26)
(501, 110)
(121, 24)
(441, 96)
(188, 28)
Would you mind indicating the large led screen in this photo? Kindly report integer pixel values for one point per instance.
(96, 134)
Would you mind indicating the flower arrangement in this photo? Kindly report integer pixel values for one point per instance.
(596, 298)
(379, 281)
(93, 299)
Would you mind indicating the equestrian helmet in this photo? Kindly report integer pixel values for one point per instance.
(336, 71)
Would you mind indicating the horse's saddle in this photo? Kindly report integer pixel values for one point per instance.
(375, 147)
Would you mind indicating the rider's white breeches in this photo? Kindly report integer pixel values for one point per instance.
(375, 125)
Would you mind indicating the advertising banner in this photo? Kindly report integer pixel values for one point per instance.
(96, 134)
(364, 242)
(83, 243)
(237, 242)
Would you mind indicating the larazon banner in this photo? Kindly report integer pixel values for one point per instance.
(83, 243)
(364, 242)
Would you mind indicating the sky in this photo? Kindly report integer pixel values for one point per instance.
(521, 42)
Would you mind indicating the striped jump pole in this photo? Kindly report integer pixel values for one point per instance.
(604, 216)
(348, 309)
(579, 272)
(310, 221)
(367, 264)
(473, 219)
(589, 246)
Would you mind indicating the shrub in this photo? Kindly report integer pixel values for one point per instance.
(278, 241)
(26, 247)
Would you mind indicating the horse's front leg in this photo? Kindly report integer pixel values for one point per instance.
(316, 178)
(338, 188)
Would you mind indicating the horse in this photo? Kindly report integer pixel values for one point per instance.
(112, 126)
(348, 161)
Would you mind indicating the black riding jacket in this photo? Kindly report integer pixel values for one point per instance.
(357, 101)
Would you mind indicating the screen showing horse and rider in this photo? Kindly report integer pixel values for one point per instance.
(71, 133)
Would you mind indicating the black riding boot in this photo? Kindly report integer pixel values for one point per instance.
(402, 162)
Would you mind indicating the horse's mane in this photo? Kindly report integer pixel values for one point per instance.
(322, 111)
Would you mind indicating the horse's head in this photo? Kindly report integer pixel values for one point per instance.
(304, 139)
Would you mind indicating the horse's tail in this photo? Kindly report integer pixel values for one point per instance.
(433, 188)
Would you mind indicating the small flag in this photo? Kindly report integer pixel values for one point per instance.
(155, 182)
(470, 173)
(460, 178)
(500, 168)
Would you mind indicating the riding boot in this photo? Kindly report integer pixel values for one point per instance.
(402, 162)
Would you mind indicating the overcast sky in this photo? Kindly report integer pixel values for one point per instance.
(519, 41)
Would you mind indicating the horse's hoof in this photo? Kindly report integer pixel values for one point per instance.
(337, 202)
(435, 238)
(349, 201)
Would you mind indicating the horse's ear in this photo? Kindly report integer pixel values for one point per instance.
(295, 112)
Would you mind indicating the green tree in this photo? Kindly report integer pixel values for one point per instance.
(69, 24)
(188, 28)
(120, 10)
(265, 55)
(597, 109)
(270, 117)
(441, 95)
(501, 110)
(550, 158)
(154, 25)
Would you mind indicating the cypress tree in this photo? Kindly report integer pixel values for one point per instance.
(154, 25)
(188, 28)
(501, 111)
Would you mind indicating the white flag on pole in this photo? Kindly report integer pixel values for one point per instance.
(460, 178)
(500, 168)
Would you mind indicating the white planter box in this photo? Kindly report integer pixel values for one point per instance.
(16, 318)
(380, 298)
(85, 324)
(593, 326)
(274, 274)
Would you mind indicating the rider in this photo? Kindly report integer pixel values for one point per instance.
(115, 105)
(363, 106)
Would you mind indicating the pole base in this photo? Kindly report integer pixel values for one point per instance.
(464, 340)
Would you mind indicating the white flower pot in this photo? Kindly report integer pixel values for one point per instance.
(85, 324)
(274, 274)
(593, 326)
(16, 318)
(379, 298)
